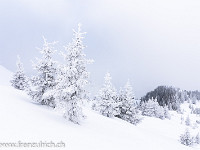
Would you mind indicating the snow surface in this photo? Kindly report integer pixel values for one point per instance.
(24, 120)
(5, 76)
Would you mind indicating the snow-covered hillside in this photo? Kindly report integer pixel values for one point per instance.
(25, 121)
(5, 76)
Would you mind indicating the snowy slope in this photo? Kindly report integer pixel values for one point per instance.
(5, 76)
(26, 121)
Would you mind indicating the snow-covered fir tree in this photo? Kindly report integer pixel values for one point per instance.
(182, 119)
(166, 112)
(44, 83)
(197, 139)
(72, 78)
(187, 121)
(194, 100)
(186, 138)
(106, 100)
(127, 109)
(159, 112)
(128, 93)
(19, 80)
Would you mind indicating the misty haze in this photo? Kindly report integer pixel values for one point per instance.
(100, 74)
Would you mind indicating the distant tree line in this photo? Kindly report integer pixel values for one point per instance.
(171, 97)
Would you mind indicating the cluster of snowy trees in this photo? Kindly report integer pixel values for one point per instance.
(56, 84)
(196, 111)
(112, 104)
(168, 96)
(188, 140)
(63, 86)
(194, 95)
(152, 108)
(123, 104)
(194, 108)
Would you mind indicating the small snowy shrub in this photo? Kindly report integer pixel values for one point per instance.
(186, 138)
(196, 111)
(166, 113)
(187, 121)
(19, 80)
(197, 139)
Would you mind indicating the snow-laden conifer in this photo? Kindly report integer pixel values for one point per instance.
(197, 139)
(43, 83)
(106, 99)
(19, 80)
(186, 138)
(72, 78)
(166, 112)
(159, 112)
(187, 121)
(128, 110)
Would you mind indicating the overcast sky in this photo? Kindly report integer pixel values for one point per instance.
(150, 42)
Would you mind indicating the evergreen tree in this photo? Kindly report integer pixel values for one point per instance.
(19, 80)
(107, 103)
(129, 95)
(197, 139)
(194, 100)
(186, 138)
(159, 112)
(44, 83)
(187, 121)
(166, 113)
(72, 78)
(128, 111)
(182, 119)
